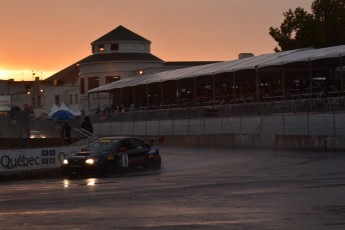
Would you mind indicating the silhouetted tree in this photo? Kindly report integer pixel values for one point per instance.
(324, 27)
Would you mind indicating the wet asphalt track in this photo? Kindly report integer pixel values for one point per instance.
(196, 189)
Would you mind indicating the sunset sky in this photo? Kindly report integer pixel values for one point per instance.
(45, 36)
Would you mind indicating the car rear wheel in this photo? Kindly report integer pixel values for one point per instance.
(154, 164)
(158, 163)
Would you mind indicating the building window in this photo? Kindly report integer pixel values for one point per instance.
(141, 47)
(76, 98)
(114, 47)
(100, 47)
(40, 101)
(57, 100)
(110, 79)
(82, 86)
(71, 99)
(93, 82)
(130, 47)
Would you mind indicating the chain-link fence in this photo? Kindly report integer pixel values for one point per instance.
(173, 121)
(20, 123)
(323, 117)
(244, 109)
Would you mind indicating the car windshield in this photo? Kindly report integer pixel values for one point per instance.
(102, 145)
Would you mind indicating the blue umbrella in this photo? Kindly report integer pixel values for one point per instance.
(62, 115)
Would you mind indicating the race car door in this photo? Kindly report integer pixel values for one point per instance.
(135, 152)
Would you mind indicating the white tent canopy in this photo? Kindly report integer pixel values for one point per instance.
(53, 109)
(264, 60)
(62, 107)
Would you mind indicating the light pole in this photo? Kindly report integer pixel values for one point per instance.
(29, 97)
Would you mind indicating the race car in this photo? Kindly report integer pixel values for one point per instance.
(110, 155)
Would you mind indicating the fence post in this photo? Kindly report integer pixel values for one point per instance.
(240, 124)
(121, 122)
(173, 126)
(334, 124)
(308, 123)
(260, 116)
(159, 126)
(221, 125)
(283, 123)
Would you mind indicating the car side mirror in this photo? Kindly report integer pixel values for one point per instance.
(123, 149)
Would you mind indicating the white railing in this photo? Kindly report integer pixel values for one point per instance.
(87, 137)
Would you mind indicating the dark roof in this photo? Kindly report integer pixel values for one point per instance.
(120, 34)
(188, 63)
(69, 74)
(13, 82)
(120, 57)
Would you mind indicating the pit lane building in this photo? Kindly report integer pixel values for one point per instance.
(291, 75)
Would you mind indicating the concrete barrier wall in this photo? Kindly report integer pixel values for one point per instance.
(282, 131)
(277, 142)
(327, 124)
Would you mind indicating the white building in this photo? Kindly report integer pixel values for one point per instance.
(118, 54)
(20, 93)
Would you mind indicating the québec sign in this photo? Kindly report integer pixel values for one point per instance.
(21, 161)
(31, 159)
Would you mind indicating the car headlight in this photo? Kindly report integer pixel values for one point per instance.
(65, 162)
(90, 161)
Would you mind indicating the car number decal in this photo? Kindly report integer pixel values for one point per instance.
(124, 160)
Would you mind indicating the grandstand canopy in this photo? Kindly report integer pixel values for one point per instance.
(260, 61)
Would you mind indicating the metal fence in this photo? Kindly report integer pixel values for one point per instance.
(244, 109)
(314, 117)
(190, 120)
(19, 126)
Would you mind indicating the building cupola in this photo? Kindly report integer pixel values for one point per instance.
(121, 40)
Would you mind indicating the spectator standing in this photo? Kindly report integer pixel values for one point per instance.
(86, 124)
(66, 134)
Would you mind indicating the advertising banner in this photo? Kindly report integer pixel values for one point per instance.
(13, 160)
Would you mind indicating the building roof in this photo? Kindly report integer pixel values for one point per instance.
(120, 33)
(113, 57)
(187, 63)
(67, 75)
(71, 73)
(256, 62)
